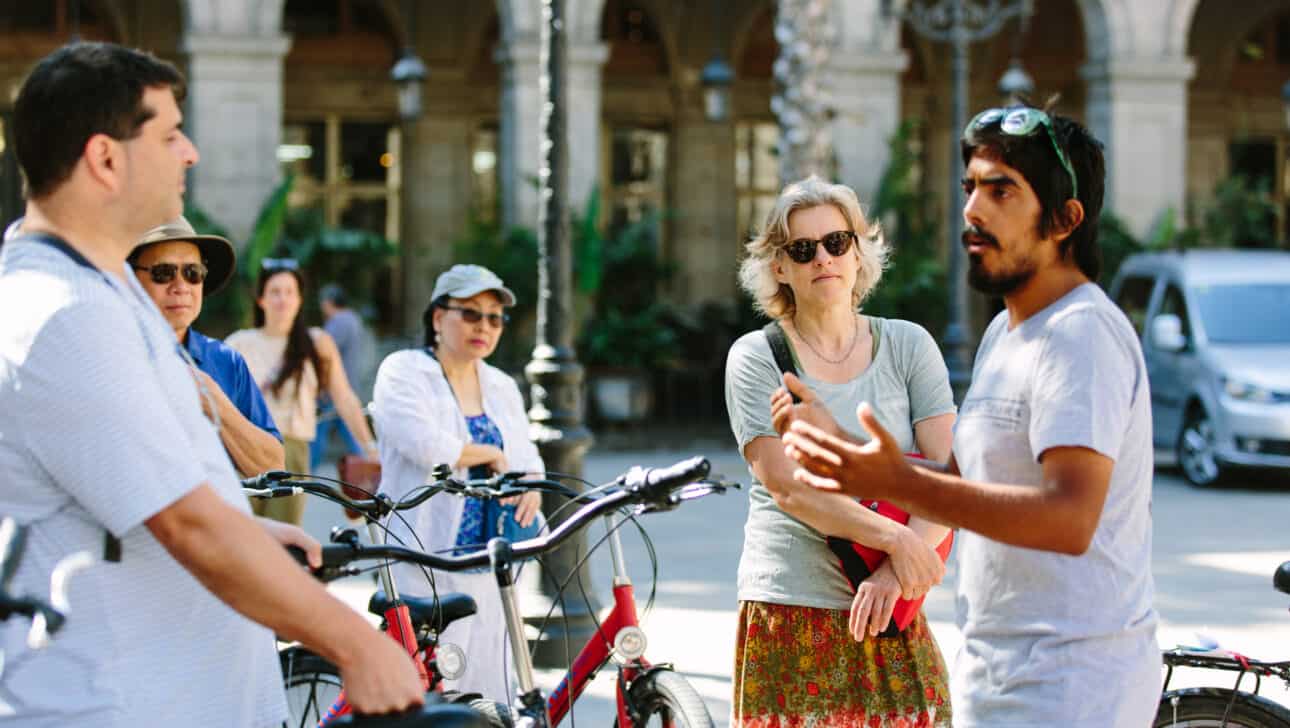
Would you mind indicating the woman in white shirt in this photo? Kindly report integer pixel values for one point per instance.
(444, 404)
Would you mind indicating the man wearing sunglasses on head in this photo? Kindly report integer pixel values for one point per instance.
(1050, 477)
(178, 268)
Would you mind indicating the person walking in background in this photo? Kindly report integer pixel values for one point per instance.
(1050, 479)
(178, 268)
(444, 404)
(807, 651)
(354, 342)
(291, 362)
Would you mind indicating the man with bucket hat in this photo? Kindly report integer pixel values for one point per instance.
(178, 269)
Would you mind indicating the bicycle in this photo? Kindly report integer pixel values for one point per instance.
(643, 690)
(315, 695)
(1213, 707)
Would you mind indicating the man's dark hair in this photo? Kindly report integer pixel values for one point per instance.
(1034, 157)
(335, 294)
(80, 90)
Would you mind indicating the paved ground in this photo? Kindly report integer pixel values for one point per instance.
(1214, 553)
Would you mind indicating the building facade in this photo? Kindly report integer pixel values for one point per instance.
(1183, 92)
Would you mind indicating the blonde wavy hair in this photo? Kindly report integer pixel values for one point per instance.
(756, 272)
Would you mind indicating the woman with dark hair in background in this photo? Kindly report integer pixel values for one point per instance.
(290, 361)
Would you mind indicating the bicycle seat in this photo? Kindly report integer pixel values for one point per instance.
(437, 715)
(1281, 579)
(425, 611)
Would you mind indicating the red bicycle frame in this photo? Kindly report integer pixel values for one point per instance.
(398, 625)
(622, 621)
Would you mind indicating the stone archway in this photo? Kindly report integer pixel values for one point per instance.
(1236, 117)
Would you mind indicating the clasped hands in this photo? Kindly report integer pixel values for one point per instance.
(830, 459)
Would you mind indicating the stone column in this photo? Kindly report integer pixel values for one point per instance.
(518, 142)
(1138, 108)
(234, 115)
(865, 86)
(518, 137)
(706, 236)
(435, 199)
(585, 60)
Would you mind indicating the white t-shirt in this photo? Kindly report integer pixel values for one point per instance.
(1052, 639)
(100, 429)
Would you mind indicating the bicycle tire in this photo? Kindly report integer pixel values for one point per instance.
(669, 698)
(1204, 708)
(312, 684)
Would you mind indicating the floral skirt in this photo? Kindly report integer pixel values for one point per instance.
(799, 666)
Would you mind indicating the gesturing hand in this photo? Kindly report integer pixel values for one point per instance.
(828, 462)
(783, 412)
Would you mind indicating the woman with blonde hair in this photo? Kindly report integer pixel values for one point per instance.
(809, 647)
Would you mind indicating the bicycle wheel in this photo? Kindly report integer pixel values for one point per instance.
(1204, 708)
(312, 685)
(664, 698)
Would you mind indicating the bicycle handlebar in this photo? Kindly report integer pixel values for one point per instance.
(654, 488)
(46, 617)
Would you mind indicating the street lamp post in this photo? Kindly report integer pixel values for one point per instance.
(959, 23)
(554, 373)
(409, 75)
(409, 72)
(716, 76)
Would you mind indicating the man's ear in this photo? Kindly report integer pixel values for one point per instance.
(1071, 217)
(102, 160)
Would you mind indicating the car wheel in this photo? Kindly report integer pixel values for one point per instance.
(1197, 452)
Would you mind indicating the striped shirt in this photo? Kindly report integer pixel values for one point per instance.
(100, 429)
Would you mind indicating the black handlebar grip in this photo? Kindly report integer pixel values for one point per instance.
(675, 476)
(333, 555)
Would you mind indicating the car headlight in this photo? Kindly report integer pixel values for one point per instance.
(1248, 392)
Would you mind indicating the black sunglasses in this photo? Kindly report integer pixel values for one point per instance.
(837, 242)
(163, 273)
(474, 316)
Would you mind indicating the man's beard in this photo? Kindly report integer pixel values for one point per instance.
(996, 284)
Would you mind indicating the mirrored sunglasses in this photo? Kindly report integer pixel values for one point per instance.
(836, 243)
(474, 316)
(163, 273)
(280, 264)
(1023, 121)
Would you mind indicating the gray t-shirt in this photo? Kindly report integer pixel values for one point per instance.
(785, 561)
(1050, 638)
(100, 429)
(355, 346)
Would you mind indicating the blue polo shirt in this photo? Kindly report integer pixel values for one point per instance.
(229, 370)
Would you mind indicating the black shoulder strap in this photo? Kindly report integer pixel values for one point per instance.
(779, 349)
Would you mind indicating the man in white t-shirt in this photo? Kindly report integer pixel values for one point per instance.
(104, 447)
(1050, 477)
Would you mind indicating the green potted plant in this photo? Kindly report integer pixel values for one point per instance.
(626, 334)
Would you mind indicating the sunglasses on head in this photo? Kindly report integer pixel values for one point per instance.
(1023, 121)
(280, 264)
(163, 273)
(837, 242)
(474, 316)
